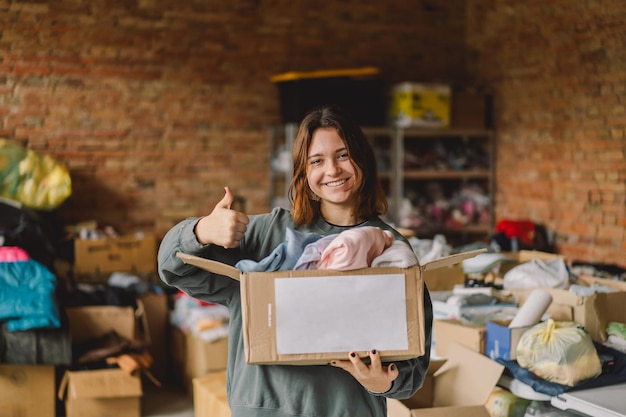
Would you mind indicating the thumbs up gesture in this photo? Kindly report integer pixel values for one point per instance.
(223, 227)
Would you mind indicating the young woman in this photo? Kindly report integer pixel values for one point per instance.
(334, 187)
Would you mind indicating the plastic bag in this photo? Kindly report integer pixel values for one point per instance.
(549, 273)
(37, 181)
(29, 230)
(560, 352)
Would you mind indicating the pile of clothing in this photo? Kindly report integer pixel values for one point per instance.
(351, 249)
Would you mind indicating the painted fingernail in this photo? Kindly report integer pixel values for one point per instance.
(352, 354)
(373, 351)
(392, 367)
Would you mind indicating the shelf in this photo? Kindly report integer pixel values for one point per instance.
(426, 133)
(421, 160)
(447, 174)
(435, 150)
(446, 133)
(469, 229)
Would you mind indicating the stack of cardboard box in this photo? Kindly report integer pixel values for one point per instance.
(112, 391)
(87, 391)
(193, 357)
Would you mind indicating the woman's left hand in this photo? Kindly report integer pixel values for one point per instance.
(375, 377)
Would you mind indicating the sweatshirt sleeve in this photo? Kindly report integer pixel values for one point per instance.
(412, 372)
(192, 280)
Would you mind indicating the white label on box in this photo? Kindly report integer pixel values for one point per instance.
(340, 314)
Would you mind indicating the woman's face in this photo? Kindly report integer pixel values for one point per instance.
(331, 175)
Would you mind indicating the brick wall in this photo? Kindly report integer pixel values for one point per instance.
(558, 73)
(156, 106)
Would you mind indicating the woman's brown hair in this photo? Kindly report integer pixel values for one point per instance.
(371, 199)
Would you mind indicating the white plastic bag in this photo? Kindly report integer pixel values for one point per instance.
(559, 351)
(549, 273)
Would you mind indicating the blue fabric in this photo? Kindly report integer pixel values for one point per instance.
(27, 296)
(284, 256)
(312, 253)
(613, 372)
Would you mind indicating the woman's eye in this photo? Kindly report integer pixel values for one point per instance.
(343, 156)
(315, 161)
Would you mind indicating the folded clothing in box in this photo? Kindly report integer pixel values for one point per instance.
(307, 337)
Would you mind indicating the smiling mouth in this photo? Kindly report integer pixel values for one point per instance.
(336, 183)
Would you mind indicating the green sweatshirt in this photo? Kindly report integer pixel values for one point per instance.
(280, 390)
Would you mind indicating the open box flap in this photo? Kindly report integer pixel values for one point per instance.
(234, 273)
(209, 265)
(467, 378)
(451, 260)
(102, 383)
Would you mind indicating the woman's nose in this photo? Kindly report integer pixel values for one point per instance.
(334, 168)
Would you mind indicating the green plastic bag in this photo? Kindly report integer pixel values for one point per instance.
(559, 351)
(37, 181)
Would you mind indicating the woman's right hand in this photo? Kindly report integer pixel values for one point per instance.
(223, 227)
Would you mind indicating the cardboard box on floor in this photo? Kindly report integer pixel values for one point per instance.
(193, 357)
(260, 319)
(529, 255)
(591, 281)
(96, 393)
(445, 278)
(96, 259)
(92, 322)
(106, 392)
(594, 312)
(450, 331)
(157, 314)
(27, 391)
(209, 395)
(502, 341)
(458, 386)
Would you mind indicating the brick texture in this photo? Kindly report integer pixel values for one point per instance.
(155, 106)
(558, 74)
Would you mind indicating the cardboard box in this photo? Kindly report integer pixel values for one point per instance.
(529, 255)
(193, 357)
(420, 105)
(458, 387)
(209, 395)
(273, 333)
(591, 281)
(444, 279)
(157, 313)
(92, 322)
(101, 393)
(96, 259)
(450, 331)
(27, 391)
(501, 341)
(593, 312)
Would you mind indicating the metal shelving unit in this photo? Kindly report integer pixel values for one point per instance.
(392, 145)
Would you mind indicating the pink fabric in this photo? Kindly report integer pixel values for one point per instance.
(355, 248)
(13, 254)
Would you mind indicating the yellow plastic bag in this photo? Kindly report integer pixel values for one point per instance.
(561, 352)
(37, 181)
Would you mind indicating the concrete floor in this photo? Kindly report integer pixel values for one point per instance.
(167, 401)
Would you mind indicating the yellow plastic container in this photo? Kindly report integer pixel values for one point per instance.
(421, 105)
